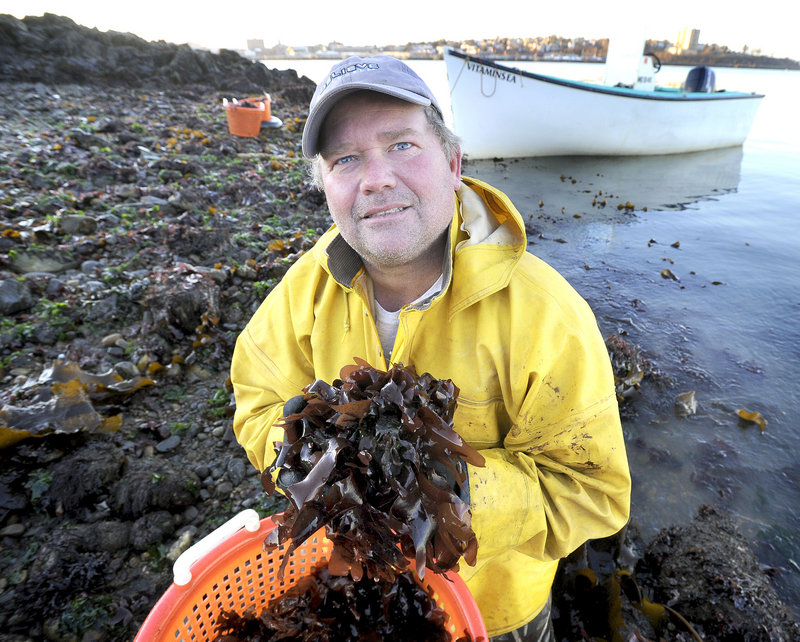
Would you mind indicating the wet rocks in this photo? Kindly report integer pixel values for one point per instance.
(135, 237)
(152, 485)
(708, 573)
(54, 49)
(82, 476)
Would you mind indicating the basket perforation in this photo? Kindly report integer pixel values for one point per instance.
(240, 575)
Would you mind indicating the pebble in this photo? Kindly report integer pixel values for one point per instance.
(13, 530)
(78, 224)
(224, 489)
(169, 444)
(126, 369)
(190, 514)
(87, 267)
(236, 471)
(110, 339)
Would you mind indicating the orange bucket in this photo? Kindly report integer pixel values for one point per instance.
(244, 121)
(233, 573)
(266, 100)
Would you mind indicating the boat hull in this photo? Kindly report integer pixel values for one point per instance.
(499, 111)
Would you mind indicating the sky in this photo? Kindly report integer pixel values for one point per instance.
(763, 26)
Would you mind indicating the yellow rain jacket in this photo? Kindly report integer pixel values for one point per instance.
(537, 395)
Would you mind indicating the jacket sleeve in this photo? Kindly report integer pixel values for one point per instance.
(271, 363)
(562, 474)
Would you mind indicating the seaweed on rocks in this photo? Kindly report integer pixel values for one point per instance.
(373, 457)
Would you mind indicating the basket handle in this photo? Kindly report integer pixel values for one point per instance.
(248, 519)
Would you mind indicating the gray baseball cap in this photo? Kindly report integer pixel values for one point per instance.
(383, 74)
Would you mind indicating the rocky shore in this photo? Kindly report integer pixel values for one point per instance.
(137, 236)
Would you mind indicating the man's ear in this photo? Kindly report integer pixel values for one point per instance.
(455, 168)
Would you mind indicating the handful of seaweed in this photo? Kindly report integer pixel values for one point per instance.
(323, 607)
(374, 456)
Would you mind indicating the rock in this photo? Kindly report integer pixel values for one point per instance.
(169, 444)
(236, 470)
(49, 261)
(180, 300)
(75, 224)
(14, 297)
(685, 403)
(104, 309)
(13, 530)
(153, 485)
(53, 49)
(45, 334)
(83, 476)
(104, 536)
(126, 369)
(90, 267)
(150, 529)
(110, 339)
(246, 272)
(190, 514)
(707, 572)
(223, 489)
(85, 140)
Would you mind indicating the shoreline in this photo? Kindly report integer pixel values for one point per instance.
(504, 60)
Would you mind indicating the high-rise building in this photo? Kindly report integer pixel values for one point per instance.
(688, 40)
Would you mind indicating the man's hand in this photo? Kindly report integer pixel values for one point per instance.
(444, 476)
(287, 477)
(294, 405)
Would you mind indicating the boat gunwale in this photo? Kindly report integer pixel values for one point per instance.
(622, 92)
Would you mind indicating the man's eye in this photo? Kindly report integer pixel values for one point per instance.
(343, 160)
(402, 146)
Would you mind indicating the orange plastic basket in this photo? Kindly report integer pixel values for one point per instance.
(232, 572)
(266, 115)
(244, 121)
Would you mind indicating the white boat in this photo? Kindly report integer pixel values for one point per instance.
(500, 111)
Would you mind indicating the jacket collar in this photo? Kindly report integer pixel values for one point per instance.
(483, 216)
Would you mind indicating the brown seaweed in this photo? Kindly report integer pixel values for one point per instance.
(374, 454)
(327, 607)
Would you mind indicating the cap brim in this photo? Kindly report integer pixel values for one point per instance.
(320, 112)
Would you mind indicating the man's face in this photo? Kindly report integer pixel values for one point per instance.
(389, 186)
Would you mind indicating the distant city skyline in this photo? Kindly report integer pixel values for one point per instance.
(314, 22)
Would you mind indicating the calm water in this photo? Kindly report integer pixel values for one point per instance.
(728, 328)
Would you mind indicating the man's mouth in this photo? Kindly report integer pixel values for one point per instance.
(381, 213)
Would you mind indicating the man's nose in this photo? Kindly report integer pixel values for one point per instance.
(377, 174)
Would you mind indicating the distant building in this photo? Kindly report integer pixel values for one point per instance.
(255, 44)
(688, 40)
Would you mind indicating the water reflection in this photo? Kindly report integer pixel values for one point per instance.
(673, 181)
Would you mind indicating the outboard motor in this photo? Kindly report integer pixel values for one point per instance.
(700, 79)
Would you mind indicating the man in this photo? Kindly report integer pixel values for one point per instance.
(426, 267)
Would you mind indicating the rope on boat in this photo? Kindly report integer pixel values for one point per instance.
(494, 89)
(455, 82)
